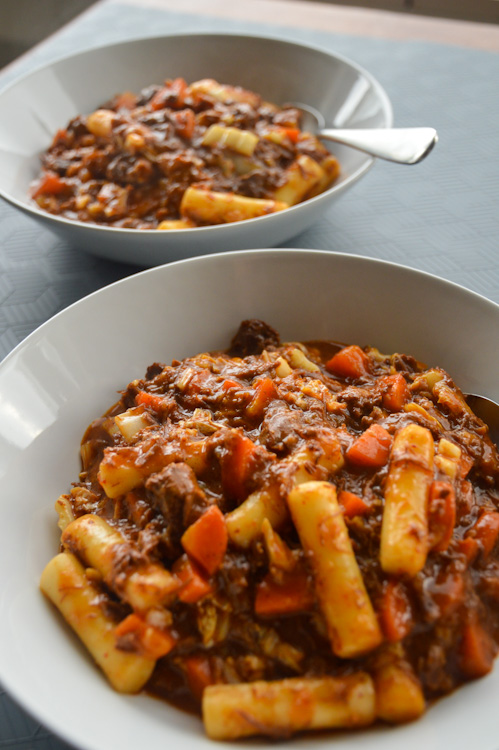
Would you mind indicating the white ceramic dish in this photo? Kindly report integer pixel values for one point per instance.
(69, 370)
(36, 106)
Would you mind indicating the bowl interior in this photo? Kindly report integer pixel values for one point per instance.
(36, 106)
(61, 377)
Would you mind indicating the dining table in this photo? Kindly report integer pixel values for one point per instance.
(440, 216)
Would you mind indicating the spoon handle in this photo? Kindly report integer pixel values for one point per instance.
(401, 145)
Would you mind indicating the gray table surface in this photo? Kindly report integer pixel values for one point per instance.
(440, 216)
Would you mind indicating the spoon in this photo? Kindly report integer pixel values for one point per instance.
(400, 145)
(488, 411)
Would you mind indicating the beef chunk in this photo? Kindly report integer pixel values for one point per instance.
(130, 170)
(259, 183)
(234, 578)
(281, 428)
(253, 337)
(155, 369)
(77, 126)
(175, 493)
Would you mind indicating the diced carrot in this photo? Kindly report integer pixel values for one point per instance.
(195, 585)
(395, 392)
(185, 121)
(174, 89)
(468, 547)
(441, 515)
(236, 464)
(229, 385)
(125, 100)
(293, 594)
(350, 362)
(151, 641)
(131, 624)
(159, 99)
(198, 673)
(179, 86)
(205, 541)
(156, 642)
(486, 530)
(154, 401)
(465, 464)
(196, 382)
(61, 137)
(476, 650)
(395, 611)
(292, 133)
(265, 392)
(371, 449)
(352, 504)
(50, 184)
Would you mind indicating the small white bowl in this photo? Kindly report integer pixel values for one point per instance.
(36, 106)
(68, 372)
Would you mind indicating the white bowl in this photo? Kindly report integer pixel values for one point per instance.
(36, 106)
(69, 370)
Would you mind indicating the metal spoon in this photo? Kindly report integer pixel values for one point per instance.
(400, 145)
(488, 411)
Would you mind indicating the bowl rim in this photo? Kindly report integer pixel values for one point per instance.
(32, 209)
(254, 252)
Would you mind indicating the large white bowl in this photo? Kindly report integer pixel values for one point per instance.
(36, 106)
(68, 371)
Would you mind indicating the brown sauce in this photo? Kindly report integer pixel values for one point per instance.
(130, 163)
(205, 401)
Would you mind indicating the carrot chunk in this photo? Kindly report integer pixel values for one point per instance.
(486, 530)
(171, 95)
(395, 611)
(465, 464)
(229, 385)
(395, 392)
(198, 673)
(185, 121)
(206, 540)
(441, 515)
(371, 449)
(149, 640)
(125, 100)
(350, 362)
(293, 134)
(195, 585)
(477, 650)
(61, 137)
(352, 504)
(468, 548)
(236, 465)
(154, 401)
(265, 391)
(50, 184)
(292, 594)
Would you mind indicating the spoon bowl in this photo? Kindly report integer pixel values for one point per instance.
(399, 145)
(488, 411)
